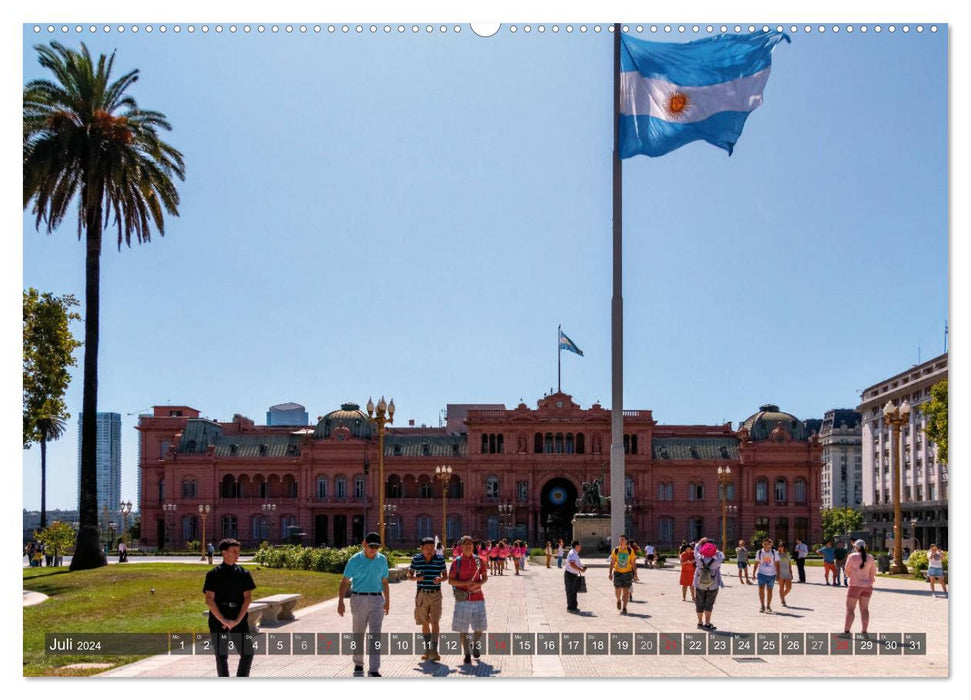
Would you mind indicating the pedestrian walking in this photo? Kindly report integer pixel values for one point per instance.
(935, 568)
(623, 572)
(366, 580)
(559, 554)
(862, 571)
(122, 552)
(439, 548)
(839, 554)
(494, 558)
(549, 553)
(766, 570)
(517, 556)
(523, 554)
(829, 561)
(503, 556)
(571, 576)
(649, 554)
(687, 557)
(467, 576)
(210, 550)
(229, 590)
(707, 581)
(428, 569)
(741, 557)
(785, 571)
(802, 551)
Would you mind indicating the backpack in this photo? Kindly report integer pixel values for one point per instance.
(706, 581)
(460, 594)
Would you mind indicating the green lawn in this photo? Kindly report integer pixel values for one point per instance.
(118, 598)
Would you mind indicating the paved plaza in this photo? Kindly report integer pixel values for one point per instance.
(534, 602)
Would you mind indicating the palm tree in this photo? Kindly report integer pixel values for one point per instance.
(49, 428)
(86, 143)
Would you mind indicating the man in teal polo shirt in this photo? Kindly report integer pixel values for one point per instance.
(366, 580)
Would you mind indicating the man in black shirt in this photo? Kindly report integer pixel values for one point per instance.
(229, 590)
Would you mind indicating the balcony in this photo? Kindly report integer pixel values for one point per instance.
(340, 501)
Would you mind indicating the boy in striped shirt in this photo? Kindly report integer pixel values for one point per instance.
(428, 569)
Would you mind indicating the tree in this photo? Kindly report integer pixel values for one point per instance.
(936, 412)
(839, 521)
(57, 539)
(48, 351)
(87, 144)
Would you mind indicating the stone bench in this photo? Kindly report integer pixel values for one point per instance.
(279, 608)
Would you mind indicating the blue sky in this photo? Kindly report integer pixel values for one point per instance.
(413, 215)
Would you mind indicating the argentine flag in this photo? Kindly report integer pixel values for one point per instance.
(673, 94)
(567, 344)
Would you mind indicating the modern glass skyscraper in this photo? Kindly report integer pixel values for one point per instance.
(109, 463)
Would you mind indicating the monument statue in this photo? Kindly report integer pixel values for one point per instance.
(592, 502)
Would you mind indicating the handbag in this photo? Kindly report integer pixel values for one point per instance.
(581, 584)
(462, 595)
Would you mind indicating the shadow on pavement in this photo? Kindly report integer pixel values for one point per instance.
(480, 669)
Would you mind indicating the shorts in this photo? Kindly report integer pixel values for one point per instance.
(705, 600)
(623, 580)
(859, 592)
(935, 571)
(766, 580)
(743, 565)
(428, 607)
(469, 614)
(650, 557)
(829, 566)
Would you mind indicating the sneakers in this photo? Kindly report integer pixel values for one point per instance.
(762, 609)
(769, 611)
(475, 653)
(433, 656)
(358, 670)
(424, 657)
(701, 626)
(374, 674)
(467, 659)
(623, 611)
(710, 627)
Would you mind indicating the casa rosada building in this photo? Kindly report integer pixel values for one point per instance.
(318, 484)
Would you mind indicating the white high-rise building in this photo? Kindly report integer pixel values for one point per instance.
(924, 480)
(109, 464)
(842, 474)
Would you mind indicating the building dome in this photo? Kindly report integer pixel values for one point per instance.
(761, 424)
(350, 416)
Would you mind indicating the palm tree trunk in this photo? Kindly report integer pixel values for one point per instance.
(43, 482)
(87, 551)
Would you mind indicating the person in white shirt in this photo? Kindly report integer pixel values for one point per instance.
(766, 570)
(571, 576)
(649, 556)
(935, 568)
(801, 552)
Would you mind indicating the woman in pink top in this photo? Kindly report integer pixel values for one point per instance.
(861, 571)
(494, 559)
(503, 556)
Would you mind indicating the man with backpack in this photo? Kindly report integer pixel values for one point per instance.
(623, 572)
(467, 575)
(707, 581)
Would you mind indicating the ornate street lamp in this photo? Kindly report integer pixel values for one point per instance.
(895, 417)
(169, 510)
(444, 474)
(125, 509)
(390, 511)
(204, 513)
(724, 479)
(268, 510)
(384, 414)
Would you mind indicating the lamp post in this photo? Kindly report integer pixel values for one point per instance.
(367, 484)
(268, 510)
(724, 479)
(125, 510)
(203, 513)
(383, 415)
(913, 529)
(169, 510)
(505, 514)
(895, 417)
(390, 514)
(444, 474)
(629, 521)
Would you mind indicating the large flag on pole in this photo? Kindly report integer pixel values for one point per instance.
(567, 344)
(673, 94)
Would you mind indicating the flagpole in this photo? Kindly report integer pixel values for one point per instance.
(617, 324)
(559, 352)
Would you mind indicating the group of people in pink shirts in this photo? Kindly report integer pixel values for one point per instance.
(498, 554)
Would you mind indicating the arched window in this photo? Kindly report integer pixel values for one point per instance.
(499, 444)
(548, 443)
(559, 443)
(761, 490)
(188, 488)
(230, 526)
(289, 486)
(392, 488)
(359, 487)
(665, 532)
(492, 444)
(190, 528)
(538, 443)
(569, 444)
(321, 487)
(630, 444)
(580, 445)
(340, 487)
(780, 490)
(455, 487)
(696, 529)
(492, 487)
(628, 488)
(425, 486)
(161, 490)
(670, 491)
(485, 443)
(424, 524)
(799, 491)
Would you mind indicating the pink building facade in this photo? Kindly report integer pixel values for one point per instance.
(318, 485)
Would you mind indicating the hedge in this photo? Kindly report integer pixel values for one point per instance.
(325, 559)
